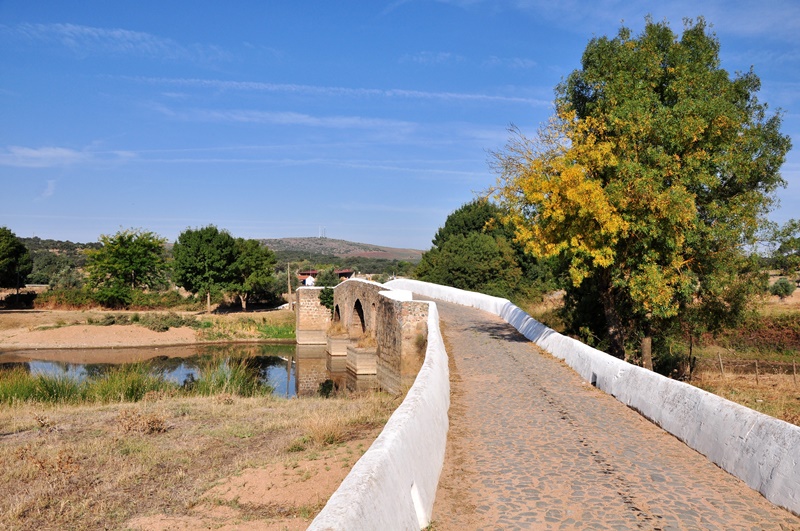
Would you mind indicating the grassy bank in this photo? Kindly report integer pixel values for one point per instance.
(99, 466)
(129, 383)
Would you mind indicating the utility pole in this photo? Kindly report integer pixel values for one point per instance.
(289, 282)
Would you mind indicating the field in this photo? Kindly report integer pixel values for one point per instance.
(167, 463)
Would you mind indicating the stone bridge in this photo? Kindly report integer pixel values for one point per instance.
(534, 443)
(382, 333)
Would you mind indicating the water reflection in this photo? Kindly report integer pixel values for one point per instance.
(275, 364)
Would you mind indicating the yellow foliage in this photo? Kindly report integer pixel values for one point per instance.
(556, 194)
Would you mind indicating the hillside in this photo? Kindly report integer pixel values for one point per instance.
(341, 248)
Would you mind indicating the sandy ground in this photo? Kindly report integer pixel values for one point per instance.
(52, 329)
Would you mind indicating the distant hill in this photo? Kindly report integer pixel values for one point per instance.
(341, 248)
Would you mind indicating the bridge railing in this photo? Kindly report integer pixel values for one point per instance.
(394, 483)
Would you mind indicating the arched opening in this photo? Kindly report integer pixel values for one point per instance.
(336, 315)
(357, 325)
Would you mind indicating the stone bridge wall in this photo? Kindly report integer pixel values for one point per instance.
(311, 318)
(393, 485)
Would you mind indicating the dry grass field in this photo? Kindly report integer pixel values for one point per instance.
(221, 462)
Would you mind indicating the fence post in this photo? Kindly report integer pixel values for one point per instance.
(756, 372)
(721, 369)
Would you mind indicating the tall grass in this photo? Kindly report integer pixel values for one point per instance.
(230, 375)
(129, 383)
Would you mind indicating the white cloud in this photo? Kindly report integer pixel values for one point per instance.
(431, 58)
(87, 40)
(50, 189)
(317, 90)
(518, 63)
(44, 157)
(289, 118)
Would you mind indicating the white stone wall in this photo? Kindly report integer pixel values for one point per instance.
(394, 483)
(762, 451)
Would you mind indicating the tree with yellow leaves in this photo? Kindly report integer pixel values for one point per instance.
(654, 174)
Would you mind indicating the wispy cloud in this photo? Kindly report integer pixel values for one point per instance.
(49, 190)
(57, 157)
(316, 90)
(286, 118)
(88, 40)
(776, 19)
(431, 58)
(519, 63)
(44, 157)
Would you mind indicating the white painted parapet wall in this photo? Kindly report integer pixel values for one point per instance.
(394, 483)
(762, 451)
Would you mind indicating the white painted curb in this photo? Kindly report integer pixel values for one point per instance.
(762, 451)
(394, 483)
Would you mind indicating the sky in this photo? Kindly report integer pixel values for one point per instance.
(367, 121)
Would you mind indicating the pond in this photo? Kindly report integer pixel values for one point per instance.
(277, 364)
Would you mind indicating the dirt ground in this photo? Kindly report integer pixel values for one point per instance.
(48, 329)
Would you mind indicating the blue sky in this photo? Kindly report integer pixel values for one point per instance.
(370, 120)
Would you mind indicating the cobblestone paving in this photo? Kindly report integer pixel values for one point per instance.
(532, 446)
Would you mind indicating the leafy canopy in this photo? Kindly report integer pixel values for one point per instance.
(252, 269)
(655, 171)
(129, 260)
(204, 260)
(15, 261)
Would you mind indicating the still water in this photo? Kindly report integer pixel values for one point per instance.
(276, 364)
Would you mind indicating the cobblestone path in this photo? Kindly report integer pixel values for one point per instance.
(531, 446)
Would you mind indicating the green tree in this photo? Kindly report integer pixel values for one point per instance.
(15, 261)
(253, 270)
(327, 278)
(204, 261)
(787, 254)
(475, 262)
(129, 260)
(655, 172)
(474, 250)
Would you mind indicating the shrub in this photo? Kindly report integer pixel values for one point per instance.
(782, 288)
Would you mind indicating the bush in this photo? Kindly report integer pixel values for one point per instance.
(782, 288)
(65, 298)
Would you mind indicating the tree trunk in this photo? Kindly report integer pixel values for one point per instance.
(208, 301)
(243, 298)
(647, 352)
(616, 332)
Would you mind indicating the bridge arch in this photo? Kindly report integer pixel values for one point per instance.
(358, 324)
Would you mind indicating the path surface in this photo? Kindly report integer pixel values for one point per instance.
(532, 446)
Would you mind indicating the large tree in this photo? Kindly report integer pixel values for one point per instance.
(253, 269)
(204, 261)
(15, 261)
(129, 260)
(474, 251)
(656, 170)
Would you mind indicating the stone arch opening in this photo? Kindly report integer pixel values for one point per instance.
(357, 323)
(336, 315)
